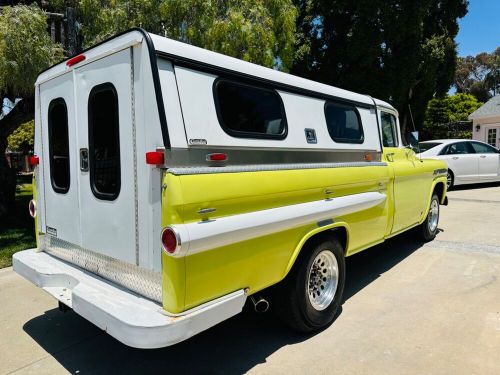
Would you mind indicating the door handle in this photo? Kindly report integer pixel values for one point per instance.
(482, 156)
(455, 157)
(84, 159)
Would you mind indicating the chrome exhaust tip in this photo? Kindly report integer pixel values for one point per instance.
(260, 304)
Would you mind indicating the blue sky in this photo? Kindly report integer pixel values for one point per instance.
(480, 28)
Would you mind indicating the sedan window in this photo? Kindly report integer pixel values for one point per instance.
(481, 148)
(459, 148)
(425, 146)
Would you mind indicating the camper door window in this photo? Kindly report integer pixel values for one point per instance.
(104, 142)
(59, 145)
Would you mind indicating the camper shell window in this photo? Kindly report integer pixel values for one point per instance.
(343, 122)
(248, 111)
(104, 142)
(59, 145)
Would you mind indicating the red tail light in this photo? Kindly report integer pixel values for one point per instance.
(34, 160)
(32, 208)
(169, 240)
(75, 60)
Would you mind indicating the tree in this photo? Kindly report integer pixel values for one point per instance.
(479, 75)
(25, 50)
(22, 139)
(441, 112)
(399, 50)
(253, 30)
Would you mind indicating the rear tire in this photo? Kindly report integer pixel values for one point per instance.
(429, 228)
(450, 179)
(309, 298)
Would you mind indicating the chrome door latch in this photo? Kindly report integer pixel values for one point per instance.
(84, 159)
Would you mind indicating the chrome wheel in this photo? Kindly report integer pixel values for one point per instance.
(449, 180)
(433, 217)
(322, 280)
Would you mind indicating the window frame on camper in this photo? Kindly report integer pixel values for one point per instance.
(103, 87)
(53, 103)
(330, 103)
(245, 134)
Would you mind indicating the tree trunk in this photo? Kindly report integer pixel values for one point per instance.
(21, 113)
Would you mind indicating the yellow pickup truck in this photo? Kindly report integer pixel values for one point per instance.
(173, 184)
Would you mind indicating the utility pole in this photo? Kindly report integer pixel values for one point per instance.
(73, 45)
(65, 29)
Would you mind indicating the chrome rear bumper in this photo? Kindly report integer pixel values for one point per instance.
(134, 320)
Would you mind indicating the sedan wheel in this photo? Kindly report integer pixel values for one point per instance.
(449, 180)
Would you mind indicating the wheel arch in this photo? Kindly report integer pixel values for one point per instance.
(340, 230)
(438, 187)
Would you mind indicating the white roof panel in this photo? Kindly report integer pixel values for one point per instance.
(214, 59)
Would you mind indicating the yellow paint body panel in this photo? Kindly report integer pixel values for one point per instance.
(263, 261)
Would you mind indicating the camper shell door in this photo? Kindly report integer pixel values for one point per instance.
(106, 152)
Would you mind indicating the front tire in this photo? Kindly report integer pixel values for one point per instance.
(429, 228)
(311, 294)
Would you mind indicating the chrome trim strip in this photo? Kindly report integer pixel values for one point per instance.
(196, 156)
(269, 167)
(207, 235)
(139, 280)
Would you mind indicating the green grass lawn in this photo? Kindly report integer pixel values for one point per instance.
(19, 232)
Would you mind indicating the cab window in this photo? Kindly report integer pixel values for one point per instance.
(389, 130)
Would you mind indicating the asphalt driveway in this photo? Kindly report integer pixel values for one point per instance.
(409, 308)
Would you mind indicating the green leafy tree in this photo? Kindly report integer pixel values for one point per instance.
(22, 138)
(25, 49)
(260, 31)
(479, 75)
(441, 112)
(400, 51)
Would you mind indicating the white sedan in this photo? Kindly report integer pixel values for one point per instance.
(468, 161)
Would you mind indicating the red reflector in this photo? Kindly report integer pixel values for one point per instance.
(169, 240)
(75, 60)
(32, 208)
(155, 158)
(34, 160)
(217, 157)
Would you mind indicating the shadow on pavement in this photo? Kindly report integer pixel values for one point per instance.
(234, 346)
(475, 186)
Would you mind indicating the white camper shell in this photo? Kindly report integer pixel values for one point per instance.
(138, 93)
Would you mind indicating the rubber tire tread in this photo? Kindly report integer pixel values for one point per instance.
(423, 230)
(293, 305)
